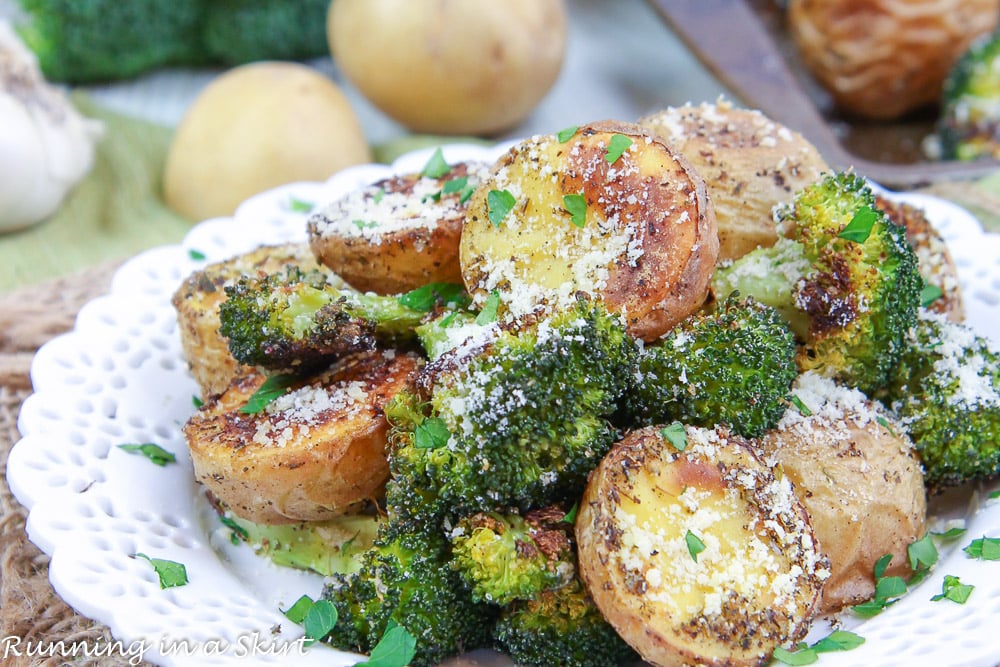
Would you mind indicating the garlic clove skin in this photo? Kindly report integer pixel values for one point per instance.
(46, 145)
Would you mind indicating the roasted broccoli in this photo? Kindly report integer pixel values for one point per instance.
(447, 331)
(507, 557)
(969, 126)
(560, 627)
(842, 274)
(515, 417)
(294, 320)
(405, 579)
(732, 365)
(80, 41)
(946, 391)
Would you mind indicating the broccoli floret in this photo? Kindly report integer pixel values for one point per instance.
(326, 547)
(295, 320)
(405, 578)
(969, 127)
(946, 391)
(561, 627)
(447, 332)
(733, 365)
(844, 276)
(80, 41)
(507, 557)
(513, 418)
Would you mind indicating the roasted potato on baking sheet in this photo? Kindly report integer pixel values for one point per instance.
(611, 211)
(695, 550)
(399, 233)
(313, 453)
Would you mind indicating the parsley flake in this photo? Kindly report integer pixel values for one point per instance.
(801, 406)
(616, 147)
(499, 203)
(985, 548)
(566, 134)
(570, 516)
(320, 619)
(953, 589)
(694, 544)
(576, 206)
(800, 656)
(887, 590)
(300, 206)
(923, 554)
(236, 531)
(273, 387)
(196, 255)
(950, 534)
(676, 435)
(297, 612)
(156, 454)
(396, 648)
(197, 402)
(378, 196)
(362, 224)
(884, 423)
(838, 640)
(929, 294)
(170, 573)
(994, 495)
(436, 167)
(425, 298)
(431, 433)
(488, 314)
(861, 225)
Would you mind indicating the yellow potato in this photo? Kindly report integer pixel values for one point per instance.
(702, 556)
(636, 231)
(457, 67)
(253, 128)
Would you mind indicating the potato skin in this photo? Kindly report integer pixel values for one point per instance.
(292, 462)
(749, 162)
(392, 236)
(858, 516)
(647, 248)
(641, 580)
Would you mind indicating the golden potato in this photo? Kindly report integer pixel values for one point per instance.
(457, 67)
(399, 233)
(314, 453)
(253, 128)
(749, 162)
(695, 550)
(610, 211)
(197, 304)
(860, 482)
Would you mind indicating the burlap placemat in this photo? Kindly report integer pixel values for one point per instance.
(29, 609)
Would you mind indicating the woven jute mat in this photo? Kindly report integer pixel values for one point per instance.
(30, 611)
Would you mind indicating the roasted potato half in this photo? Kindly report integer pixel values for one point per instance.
(936, 265)
(197, 304)
(749, 162)
(311, 454)
(399, 233)
(860, 482)
(695, 550)
(610, 211)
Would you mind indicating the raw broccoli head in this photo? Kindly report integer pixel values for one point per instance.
(517, 420)
(507, 557)
(969, 127)
(843, 274)
(733, 365)
(946, 391)
(405, 579)
(561, 627)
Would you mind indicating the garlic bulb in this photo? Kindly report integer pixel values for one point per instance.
(46, 146)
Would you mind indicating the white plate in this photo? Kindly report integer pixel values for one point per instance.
(119, 377)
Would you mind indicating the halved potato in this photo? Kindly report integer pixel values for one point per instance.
(700, 556)
(936, 265)
(314, 453)
(749, 162)
(610, 211)
(197, 304)
(399, 233)
(860, 482)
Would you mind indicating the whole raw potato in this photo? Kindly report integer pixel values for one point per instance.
(450, 66)
(256, 127)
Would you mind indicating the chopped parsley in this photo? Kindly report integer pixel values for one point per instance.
(297, 612)
(396, 648)
(570, 516)
(953, 589)
(923, 554)
(196, 255)
(567, 134)
(888, 590)
(576, 206)
(170, 573)
(431, 433)
(694, 544)
(236, 531)
(929, 294)
(379, 195)
(362, 224)
(676, 435)
(156, 454)
(488, 314)
(499, 203)
(436, 167)
(861, 225)
(994, 494)
(950, 534)
(984, 548)
(273, 387)
(803, 654)
(320, 619)
(884, 423)
(300, 206)
(426, 297)
(801, 406)
(618, 144)
(197, 402)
